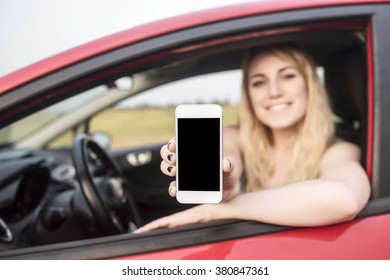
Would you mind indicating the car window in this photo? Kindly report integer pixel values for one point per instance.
(35, 122)
(148, 117)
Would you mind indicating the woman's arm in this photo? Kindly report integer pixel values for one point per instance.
(338, 195)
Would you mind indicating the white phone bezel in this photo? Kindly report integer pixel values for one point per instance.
(198, 111)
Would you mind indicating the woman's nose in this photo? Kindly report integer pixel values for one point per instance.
(274, 90)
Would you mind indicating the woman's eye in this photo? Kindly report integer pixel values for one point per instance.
(289, 76)
(258, 83)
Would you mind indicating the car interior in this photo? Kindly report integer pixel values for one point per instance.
(83, 191)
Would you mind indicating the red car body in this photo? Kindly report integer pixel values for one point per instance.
(366, 237)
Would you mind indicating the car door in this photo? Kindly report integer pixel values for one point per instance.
(250, 240)
(322, 30)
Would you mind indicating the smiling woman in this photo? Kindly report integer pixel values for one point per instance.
(288, 147)
(285, 101)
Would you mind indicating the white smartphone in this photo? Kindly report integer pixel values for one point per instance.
(199, 153)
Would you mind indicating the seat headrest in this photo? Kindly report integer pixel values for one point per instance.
(346, 83)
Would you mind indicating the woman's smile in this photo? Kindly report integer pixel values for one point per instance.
(279, 106)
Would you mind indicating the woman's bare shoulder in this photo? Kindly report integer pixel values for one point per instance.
(231, 137)
(341, 151)
(231, 130)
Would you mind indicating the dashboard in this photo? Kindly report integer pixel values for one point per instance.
(39, 199)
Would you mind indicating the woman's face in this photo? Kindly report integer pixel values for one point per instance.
(277, 91)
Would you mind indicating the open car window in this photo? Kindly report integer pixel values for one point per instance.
(148, 117)
(33, 123)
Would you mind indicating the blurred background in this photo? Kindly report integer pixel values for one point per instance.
(31, 30)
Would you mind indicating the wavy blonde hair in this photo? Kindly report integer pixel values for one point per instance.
(315, 130)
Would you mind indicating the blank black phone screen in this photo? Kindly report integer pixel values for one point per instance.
(199, 158)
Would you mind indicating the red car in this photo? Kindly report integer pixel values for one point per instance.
(64, 194)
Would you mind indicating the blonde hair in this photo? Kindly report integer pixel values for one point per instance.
(316, 130)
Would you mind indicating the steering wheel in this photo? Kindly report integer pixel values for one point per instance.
(104, 187)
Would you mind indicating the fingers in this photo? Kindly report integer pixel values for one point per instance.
(168, 155)
(231, 186)
(164, 222)
(172, 189)
(170, 147)
(167, 166)
(168, 169)
(198, 214)
(227, 165)
(159, 223)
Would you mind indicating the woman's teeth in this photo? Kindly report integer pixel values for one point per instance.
(278, 107)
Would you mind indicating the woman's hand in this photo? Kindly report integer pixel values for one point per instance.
(198, 214)
(168, 167)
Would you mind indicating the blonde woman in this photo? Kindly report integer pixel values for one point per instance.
(296, 173)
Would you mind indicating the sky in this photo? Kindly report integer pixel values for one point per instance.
(31, 30)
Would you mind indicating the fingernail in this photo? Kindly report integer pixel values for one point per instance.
(170, 157)
(230, 164)
(170, 190)
(169, 143)
(169, 169)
